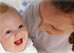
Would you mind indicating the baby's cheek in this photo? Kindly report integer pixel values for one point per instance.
(8, 40)
(25, 35)
(24, 32)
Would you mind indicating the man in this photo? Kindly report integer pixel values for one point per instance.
(50, 24)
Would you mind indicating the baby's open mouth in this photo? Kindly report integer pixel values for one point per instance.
(19, 42)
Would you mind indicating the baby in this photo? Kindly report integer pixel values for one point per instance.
(13, 32)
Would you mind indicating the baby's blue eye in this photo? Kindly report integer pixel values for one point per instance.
(9, 31)
(20, 26)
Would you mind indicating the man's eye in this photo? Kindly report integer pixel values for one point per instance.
(20, 26)
(9, 31)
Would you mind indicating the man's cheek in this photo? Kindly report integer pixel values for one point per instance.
(42, 26)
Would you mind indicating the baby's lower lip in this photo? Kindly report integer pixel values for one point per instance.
(18, 42)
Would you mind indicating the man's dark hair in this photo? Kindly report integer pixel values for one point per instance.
(66, 6)
(71, 40)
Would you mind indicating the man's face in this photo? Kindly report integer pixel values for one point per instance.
(56, 23)
(13, 33)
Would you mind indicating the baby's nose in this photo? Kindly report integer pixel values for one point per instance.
(18, 34)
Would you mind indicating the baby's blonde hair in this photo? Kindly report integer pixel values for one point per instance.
(3, 8)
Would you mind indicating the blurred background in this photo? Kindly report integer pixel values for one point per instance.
(20, 5)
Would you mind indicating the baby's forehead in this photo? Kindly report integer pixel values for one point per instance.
(9, 18)
(9, 15)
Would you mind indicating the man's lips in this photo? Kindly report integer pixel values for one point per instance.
(18, 42)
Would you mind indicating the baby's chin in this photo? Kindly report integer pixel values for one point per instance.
(18, 46)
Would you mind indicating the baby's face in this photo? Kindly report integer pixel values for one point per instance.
(13, 33)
